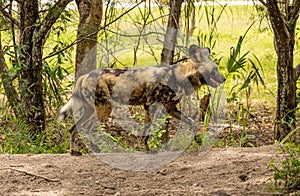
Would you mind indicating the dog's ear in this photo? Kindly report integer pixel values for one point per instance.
(197, 54)
(205, 52)
(194, 52)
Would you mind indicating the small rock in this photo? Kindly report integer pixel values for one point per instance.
(162, 172)
(243, 177)
(117, 194)
(109, 186)
(196, 184)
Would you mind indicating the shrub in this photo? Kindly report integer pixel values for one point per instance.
(287, 176)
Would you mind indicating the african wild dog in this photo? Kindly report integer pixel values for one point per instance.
(96, 92)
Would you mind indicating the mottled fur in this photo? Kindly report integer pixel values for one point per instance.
(99, 90)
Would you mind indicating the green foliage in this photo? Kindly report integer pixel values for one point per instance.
(16, 138)
(204, 140)
(244, 73)
(287, 176)
(100, 139)
(155, 141)
(53, 88)
(243, 70)
(158, 132)
(59, 54)
(236, 138)
(212, 19)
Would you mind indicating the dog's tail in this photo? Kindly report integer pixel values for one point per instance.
(68, 108)
(65, 111)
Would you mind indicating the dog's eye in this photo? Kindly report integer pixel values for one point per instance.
(213, 73)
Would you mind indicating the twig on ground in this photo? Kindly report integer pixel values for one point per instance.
(35, 175)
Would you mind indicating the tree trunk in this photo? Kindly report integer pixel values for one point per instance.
(90, 12)
(167, 54)
(33, 36)
(283, 23)
(286, 95)
(28, 100)
(31, 73)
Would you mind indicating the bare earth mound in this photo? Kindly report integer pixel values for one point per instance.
(231, 171)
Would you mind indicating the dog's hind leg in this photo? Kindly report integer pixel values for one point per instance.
(73, 132)
(146, 132)
(90, 127)
(85, 118)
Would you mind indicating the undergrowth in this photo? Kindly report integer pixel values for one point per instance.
(16, 138)
(286, 176)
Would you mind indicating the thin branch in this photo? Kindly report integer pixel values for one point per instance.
(9, 16)
(100, 28)
(13, 35)
(36, 175)
(181, 60)
(289, 135)
(115, 58)
(295, 11)
(135, 35)
(51, 17)
(297, 72)
(136, 48)
(263, 2)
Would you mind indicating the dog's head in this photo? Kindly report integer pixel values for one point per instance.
(208, 69)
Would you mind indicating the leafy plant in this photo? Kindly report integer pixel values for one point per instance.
(287, 176)
(16, 138)
(53, 89)
(243, 70)
(158, 132)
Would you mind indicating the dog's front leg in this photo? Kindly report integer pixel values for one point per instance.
(177, 114)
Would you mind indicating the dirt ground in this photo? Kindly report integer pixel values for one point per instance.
(231, 171)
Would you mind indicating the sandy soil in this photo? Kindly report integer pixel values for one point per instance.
(231, 171)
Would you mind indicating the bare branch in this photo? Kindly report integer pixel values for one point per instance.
(135, 35)
(87, 36)
(295, 11)
(9, 16)
(297, 72)
(181, 60)
(51, 17)
(12, 30)
(263, 2)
